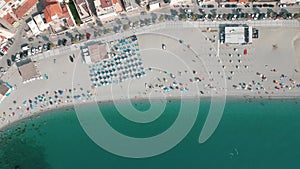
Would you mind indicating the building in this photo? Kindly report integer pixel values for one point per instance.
(4, 91)
(153, 5)
(7, 17)
(83, 10)
(289, 1)
(94, 53)
(57, 16)
(5, 34)
(27, 70)
(25, 8)
(243, 1)
(40, 23)
(143, 3)
(33, 27)
(129, 5)
(105, 10)
(118, 6)
(236, 34)
(181, 2)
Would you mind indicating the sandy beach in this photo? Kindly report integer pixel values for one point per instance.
(193, 65)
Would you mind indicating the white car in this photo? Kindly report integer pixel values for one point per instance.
(32, 51)
(29, 53)
(3, 51)
(40, 49)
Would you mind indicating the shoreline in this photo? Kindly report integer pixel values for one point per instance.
(182, 71)
(86, 103)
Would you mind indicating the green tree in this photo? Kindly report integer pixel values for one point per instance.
(126, 26)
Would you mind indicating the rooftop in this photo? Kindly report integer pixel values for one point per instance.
(28, 71)
(106, 3)
(22, 10)
(9, 19)
(55, 10)
(3, 89)
(97, 52)
(234, 35)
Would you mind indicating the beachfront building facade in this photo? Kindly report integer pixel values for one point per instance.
(143, 3)
(236, 34)
(33, 27)
(24, 7)
(40, 22)
(4, 91)
(57, 16)
(153, 5)
(105, 10)
(7, 17)
(5, 34)
(84, 11)
(181, 2)
(129, 5)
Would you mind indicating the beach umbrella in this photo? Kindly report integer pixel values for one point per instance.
(60, 92)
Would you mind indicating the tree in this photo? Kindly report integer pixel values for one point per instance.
(107, 30)
(194, 17)
(126, 26)
(52, 45)
(136, 23)
(296, 15)
(161, 18)
(184, 17)
(100, 32)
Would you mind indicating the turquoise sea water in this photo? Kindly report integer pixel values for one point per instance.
(253, 134)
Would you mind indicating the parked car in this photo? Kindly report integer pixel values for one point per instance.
(25, 47)
(3, 51)
(59, 42)
(40, 49)
(2, 70)
(64, 42)
(8, 61)
(45, 47)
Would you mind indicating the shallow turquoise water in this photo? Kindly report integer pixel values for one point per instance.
(252, 134)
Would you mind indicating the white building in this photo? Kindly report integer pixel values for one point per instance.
(181, 2)
(40, 23)
(238, 35)
(5, 34)
(83, 10)
(153, 5)
(105, 9)
(33, 27)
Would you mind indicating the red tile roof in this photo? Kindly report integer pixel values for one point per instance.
(105, 3)
(53, 9)
(9, 19)
(243, 0)
(22, 10)
(233, 0)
